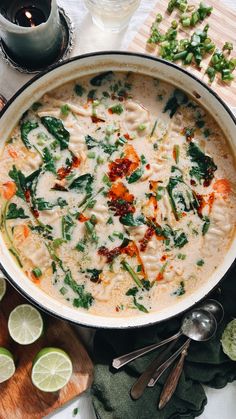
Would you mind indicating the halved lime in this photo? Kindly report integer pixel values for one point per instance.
(3, 288)
(7, 365)
(52, 369)
(25, 324)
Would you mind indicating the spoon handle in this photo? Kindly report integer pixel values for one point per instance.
(140, 385)
(125, 359)
(160, 370)
(172, 380)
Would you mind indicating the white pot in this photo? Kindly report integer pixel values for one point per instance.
(86, 65)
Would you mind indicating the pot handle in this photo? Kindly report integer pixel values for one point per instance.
(3, 102)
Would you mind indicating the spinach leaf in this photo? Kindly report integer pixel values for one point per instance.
(67, 225)
(180, 290)
(178, 236)
(182, 198)
(91, 142)
(129, 220)
(79, 90)
(136, 175)
(49, 164)
(20, 181)
(25, 129)
(56, 128)
(205, 166)
(42, 205)
(132, 292)
(83, 183)
(84, 299)
(101, 79)
(206, 225)
(94, 277)
(175, 101)
(108, 148)
(14, 212)
(139, 306)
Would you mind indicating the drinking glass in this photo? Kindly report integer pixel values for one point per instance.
(112, 15)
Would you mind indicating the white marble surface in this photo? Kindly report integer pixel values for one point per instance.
(221, 403)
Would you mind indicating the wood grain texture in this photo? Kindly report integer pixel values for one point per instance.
(19, 399)
(222, 28)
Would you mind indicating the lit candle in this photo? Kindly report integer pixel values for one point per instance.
(31, 31)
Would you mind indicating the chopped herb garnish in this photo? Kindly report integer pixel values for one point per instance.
(200, 262)
(65, 110)
(118, 109)
(37, 272)
(133, 274)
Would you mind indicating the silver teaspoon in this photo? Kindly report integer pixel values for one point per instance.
(198, 325)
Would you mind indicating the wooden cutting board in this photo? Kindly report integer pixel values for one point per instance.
(19, 399)
(222, 23)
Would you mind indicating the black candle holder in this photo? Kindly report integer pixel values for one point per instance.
(67, 45)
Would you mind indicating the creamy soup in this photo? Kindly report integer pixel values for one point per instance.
(117, 194)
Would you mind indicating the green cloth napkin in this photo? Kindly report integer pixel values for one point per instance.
(205, 364)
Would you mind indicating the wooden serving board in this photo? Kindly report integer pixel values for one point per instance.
(19, 399)
(222, 23)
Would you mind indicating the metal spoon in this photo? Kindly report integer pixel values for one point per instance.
(210, 305)
(215, 308)
(198, 325)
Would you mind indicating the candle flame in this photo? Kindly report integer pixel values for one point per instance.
(28, 15)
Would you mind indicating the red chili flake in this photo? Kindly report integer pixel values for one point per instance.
(82, 218)
(147, 237)
(27, 195)
(148, 166)
(75, 162)
(113, 96)
(160, 276)
(163, 258)
(119, 168)
(120, 98)
(127, 136)
(211, 200)
(35, 212)
(58, 187)
(193, 182)
(63, 172)
(95, 119)
(117, 309)
(109, 254)
(121, 207)
(202, 204)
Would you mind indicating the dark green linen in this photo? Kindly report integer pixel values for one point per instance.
(205, 364)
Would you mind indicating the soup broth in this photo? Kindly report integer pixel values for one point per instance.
(117, 194)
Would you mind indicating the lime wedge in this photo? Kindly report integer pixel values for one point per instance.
(52, 369)
(3, 288)
(7, 366)
(25, 324)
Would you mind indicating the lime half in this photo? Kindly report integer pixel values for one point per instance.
(3, 288)
(52, 369)
(7, 366)
(25, 324)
